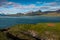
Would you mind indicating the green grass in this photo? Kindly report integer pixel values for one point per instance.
(42, 29)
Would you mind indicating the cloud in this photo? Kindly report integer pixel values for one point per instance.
(20, 6)
(17, 5)
(55, 8)
(2, 2)
(12, 7)
(52, 4)
(9, 3)
(44, 7)
(38, 2)
(23, 6)
(27, 6)
(30, 6)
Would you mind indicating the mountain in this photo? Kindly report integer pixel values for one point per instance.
(58, 11)
(2, 15)
(18, 14)
(39, 12)
(51, 12)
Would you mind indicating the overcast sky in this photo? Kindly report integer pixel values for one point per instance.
(23, 6)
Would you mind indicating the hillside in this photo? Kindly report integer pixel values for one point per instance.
(32, 31)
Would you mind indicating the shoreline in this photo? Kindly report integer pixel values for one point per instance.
(26, 16)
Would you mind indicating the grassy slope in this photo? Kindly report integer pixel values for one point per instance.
(50, 30)
(2, 36)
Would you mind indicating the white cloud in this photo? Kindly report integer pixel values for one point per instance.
(51, 4)
(9, 3)
(44, 7)
(20, 6)
(17, 7)
(38, 2)
(30, 6)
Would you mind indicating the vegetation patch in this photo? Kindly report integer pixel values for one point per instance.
(40, 30)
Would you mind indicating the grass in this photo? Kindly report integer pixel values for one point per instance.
(45, 30)
(3, 36)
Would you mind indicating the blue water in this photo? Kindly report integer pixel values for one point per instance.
(9, 21)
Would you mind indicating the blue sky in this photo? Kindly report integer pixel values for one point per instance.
(24, 6)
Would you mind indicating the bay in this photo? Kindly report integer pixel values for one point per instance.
(6, 21)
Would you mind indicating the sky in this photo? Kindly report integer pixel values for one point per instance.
(24, 6)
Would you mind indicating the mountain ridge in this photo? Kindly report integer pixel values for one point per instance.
(39, 12)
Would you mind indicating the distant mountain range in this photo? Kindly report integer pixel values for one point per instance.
(39, 12)
(2, 15)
